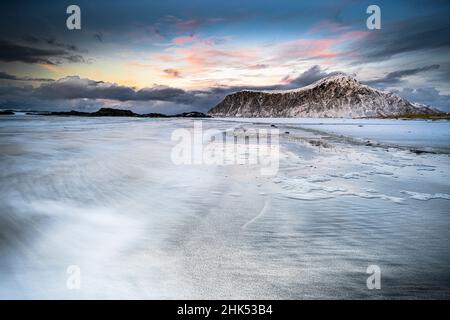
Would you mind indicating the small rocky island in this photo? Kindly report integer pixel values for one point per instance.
(6, 112)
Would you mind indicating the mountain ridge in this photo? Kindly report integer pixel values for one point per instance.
(336, 96)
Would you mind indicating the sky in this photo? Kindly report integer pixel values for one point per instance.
(176, 56)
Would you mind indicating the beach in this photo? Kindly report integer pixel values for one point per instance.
(104, 195)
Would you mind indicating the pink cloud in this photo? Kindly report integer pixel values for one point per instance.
(183, 40)
(203, 56)
(196, 54)
(355, 35)
(309, 48)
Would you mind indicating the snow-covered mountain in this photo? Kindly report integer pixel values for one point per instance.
(336, 96)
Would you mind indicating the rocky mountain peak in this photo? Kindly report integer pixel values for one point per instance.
(336, 96)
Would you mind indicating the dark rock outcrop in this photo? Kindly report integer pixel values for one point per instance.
(192, 114)
(154, 115)
(110, 112)
(64, 113)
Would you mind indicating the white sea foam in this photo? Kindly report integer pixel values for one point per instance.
(426, 196)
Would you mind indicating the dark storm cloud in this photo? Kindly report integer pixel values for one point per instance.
(7, 76)
(408, 72)
(163, 93)
(76, 58)
(419, 33)
(427, 95)
(53, 42)
(309, 76)
(76, 88)
(395, 77)
(13, 52)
